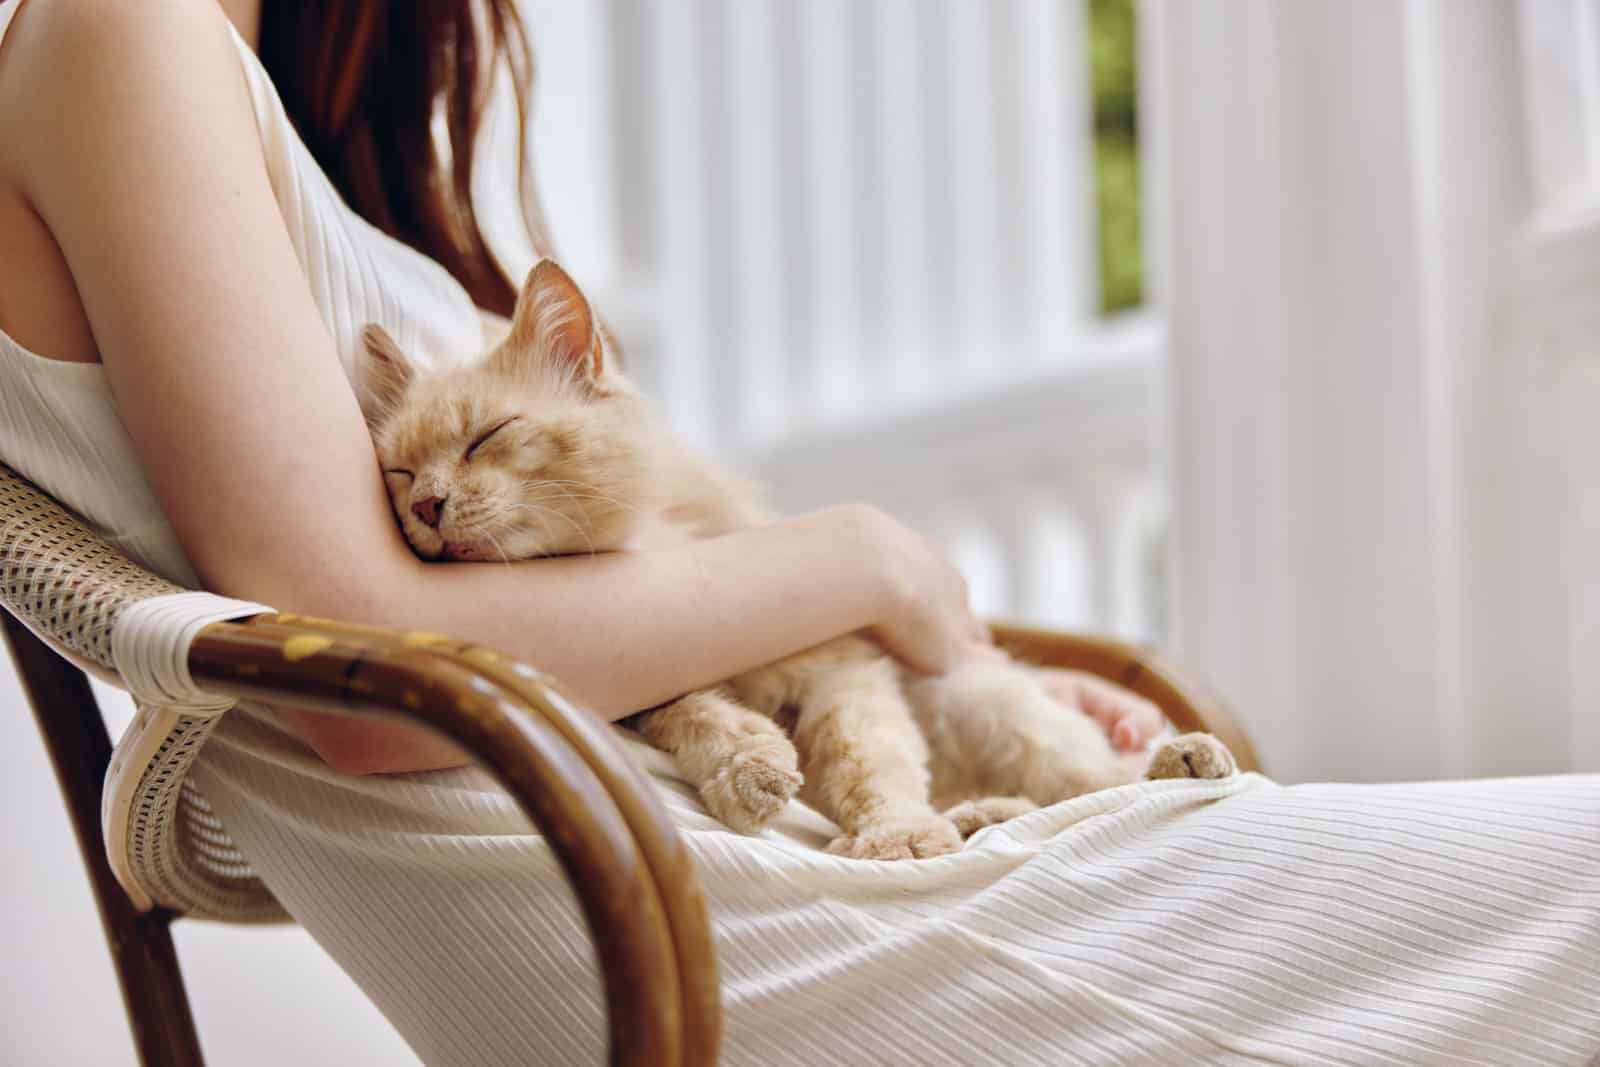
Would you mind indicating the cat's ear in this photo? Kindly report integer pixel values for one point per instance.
(385, 370)
(553, 327)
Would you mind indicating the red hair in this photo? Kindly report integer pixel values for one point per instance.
(363, 81)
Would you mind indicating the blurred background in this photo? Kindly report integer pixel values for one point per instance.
(886, 251)
(1265, 332)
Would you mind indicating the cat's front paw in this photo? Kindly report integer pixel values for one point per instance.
(916, 839)
(753, 787)
(1192, 756)
(970, 816)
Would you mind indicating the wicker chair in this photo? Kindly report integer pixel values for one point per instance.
(155, 851)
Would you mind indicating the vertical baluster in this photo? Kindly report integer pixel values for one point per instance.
(970, 161)
(1057, 171)
(866, 173)
(723, 382)
(1140, 558)
(1005, 336)
(945, 269)
(634, 138)
(1013, 512)
(1006, 511)
(683, 379)
(1558, 61)
(904, 213)
(832, 222)
(792, 67)
(573, 138)
(970, 540)
(1126, 514)
(757, 206)
(1007, 514)
(1057, 564)
(985, 568)
(1589, 73)
(1101, 501)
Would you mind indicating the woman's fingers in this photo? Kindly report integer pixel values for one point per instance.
(1129, 720)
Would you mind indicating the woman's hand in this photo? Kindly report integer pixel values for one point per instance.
(928, 624)
(1130, 720)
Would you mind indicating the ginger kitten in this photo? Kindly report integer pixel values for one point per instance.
(544, 448)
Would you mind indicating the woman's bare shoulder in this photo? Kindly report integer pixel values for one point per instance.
(60, 55)
(76, 76)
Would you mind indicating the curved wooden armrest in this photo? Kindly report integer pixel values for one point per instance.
(1186, 704)
(633, 877)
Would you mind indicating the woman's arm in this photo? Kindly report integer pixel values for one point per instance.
(130, 131)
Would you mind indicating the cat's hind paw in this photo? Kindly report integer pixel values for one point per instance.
(1192, 756)
(752, 788)
(918, 839)
(970, 816)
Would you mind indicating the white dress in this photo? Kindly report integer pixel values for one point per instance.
(1231, 922)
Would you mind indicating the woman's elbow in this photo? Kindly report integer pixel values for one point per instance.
(371, 588)
(360, 746)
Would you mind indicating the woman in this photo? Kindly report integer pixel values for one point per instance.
(180, 292)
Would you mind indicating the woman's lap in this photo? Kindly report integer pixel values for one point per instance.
(1232, 922)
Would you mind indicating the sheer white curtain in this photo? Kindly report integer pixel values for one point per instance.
(1383, 519)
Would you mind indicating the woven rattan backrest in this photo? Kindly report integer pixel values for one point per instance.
(65, 583)
(59, 576)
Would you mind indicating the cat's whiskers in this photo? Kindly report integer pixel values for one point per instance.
(540, 512)
(492, 540)
(591, 494)
(503, 517)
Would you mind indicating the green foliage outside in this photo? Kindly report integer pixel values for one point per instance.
(1113, 63)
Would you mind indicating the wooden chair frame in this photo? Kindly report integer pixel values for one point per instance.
(633, 877)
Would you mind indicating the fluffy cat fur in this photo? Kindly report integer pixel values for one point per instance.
(544, 448)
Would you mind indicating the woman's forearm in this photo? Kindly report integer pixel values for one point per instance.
(626, 631)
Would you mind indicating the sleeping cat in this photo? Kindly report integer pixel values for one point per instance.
(544, 448)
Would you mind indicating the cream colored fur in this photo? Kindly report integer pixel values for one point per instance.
(543, 448)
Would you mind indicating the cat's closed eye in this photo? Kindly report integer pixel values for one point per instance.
(490, 432)
(398, 472)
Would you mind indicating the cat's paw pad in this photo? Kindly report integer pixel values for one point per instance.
(1192, 756)
(970, 816)
(912, 840)
(752, 788)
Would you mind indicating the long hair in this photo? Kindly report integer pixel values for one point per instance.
(366, 81)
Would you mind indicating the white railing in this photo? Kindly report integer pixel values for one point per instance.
(851, 246)
(1044, 489)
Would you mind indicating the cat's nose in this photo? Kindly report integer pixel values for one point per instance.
(428, 509)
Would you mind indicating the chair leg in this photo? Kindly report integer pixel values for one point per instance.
(141, 944)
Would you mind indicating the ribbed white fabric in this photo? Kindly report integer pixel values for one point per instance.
(1172, 923)
(150, 646)
(1168, 923)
